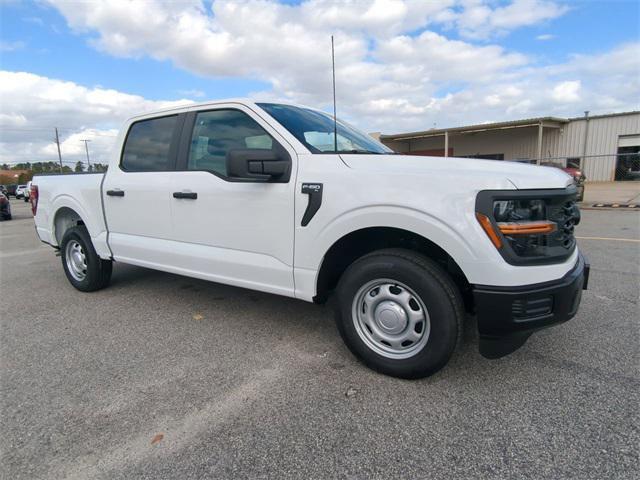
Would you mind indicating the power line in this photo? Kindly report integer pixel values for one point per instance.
(19, 129)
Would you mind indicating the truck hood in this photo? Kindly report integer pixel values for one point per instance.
(522, 176)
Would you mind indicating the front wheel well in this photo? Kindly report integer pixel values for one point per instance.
(64, 219)
(361, 242)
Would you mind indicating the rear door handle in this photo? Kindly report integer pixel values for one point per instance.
(187, 195)
(115, 193)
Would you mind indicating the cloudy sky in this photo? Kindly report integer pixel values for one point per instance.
(85, 66)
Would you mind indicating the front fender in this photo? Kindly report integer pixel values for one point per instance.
(311, 249)
(404, 218)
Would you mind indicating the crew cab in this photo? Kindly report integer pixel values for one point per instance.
(265, 196)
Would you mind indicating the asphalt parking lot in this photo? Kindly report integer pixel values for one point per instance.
(161, 376)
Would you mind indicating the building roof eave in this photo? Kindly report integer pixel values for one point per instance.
(550, 122)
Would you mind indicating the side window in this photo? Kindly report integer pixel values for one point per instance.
(216, 132)
(147, 146)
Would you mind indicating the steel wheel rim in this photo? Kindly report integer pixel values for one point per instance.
(391, 319)
(76, 260)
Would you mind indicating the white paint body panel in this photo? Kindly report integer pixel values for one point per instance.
(250, 234)
(80, 193)
(244, 229)
(144, 211)
(419, 194)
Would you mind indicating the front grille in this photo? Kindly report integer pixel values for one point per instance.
(566, 216)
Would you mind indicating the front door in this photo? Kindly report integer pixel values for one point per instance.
(234, 231)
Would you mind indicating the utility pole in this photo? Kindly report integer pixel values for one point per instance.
(585, 139)
(58, 144)
(86, 147)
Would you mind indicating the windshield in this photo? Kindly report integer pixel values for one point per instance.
(316, 130)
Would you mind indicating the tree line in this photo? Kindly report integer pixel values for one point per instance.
(45, 167)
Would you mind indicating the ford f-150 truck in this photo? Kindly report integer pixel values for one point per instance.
(265, 196)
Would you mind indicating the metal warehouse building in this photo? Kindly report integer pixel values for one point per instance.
(606, 147)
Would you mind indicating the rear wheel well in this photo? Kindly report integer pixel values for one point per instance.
(361, 242)
(65, 219)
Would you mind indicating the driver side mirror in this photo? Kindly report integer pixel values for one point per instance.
(258, 165)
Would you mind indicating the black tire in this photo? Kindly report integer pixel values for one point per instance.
(26, 199)
(435, 290)
(98, 271)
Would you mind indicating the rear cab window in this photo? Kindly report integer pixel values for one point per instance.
(148, 146)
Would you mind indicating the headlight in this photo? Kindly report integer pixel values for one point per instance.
(529, 226)
(518, 210)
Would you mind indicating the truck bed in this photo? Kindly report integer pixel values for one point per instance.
(79, 192)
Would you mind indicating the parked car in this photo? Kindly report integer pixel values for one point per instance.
(579, 178)
(3, 189)
(11, 189)
(5, 207)
(27, 191)
(20, 191)
(262, 196)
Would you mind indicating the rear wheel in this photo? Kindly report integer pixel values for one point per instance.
(85, 270)
(399, 313)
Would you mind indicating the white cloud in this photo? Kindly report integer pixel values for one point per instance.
(568, 91)
(72, 147)
(33, 105)
(34, 20)
(545, 37)
(479, 19)
(11, 46)
(193, 93)
(378, 62)
(394, 72)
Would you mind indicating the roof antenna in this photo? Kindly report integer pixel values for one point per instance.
(335, 119)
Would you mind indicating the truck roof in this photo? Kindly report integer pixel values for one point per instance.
(189, 106)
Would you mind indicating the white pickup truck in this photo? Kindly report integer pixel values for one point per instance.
(265, 196)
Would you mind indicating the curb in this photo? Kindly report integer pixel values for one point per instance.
(629, 207)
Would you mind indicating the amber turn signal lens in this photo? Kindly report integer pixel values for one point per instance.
(489, 230)
(527, 228)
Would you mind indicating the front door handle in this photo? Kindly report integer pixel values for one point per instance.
(115, 193)
(187, 195)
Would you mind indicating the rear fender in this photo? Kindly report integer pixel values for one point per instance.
(95, 227)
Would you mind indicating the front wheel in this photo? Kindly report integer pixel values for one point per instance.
(399, 312)
(85, 270)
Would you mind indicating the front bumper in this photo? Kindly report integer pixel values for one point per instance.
(507, 316)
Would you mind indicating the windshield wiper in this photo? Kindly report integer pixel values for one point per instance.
(360, 152)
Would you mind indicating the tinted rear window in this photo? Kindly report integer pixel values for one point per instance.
(148, 144)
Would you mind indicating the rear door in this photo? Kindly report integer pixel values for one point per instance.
(239, 232)
(137, 192)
